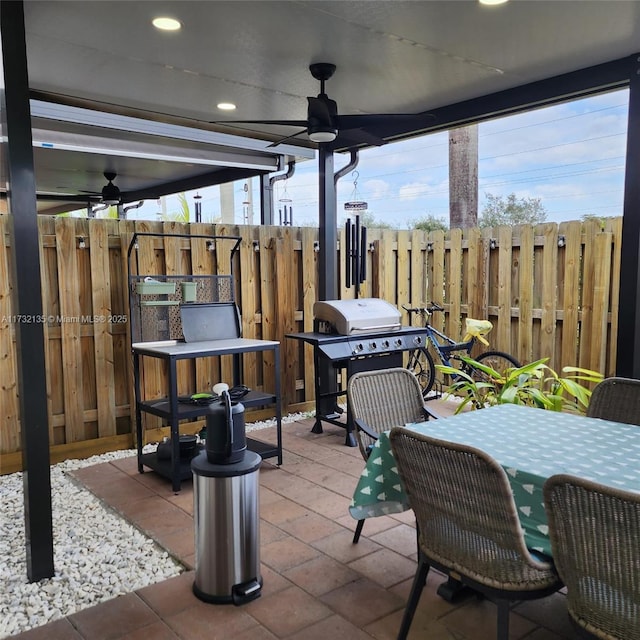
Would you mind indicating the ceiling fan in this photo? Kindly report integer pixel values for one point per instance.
(110, 193)
(324, 124)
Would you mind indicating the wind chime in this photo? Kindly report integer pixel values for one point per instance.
(356, 241)
(286, 207)
(198, 207)
(247, 204)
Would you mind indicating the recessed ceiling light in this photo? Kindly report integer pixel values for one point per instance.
(492, 2)
(226, 106)
(166, 24)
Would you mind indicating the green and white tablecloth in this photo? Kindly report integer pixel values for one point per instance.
(530, 444)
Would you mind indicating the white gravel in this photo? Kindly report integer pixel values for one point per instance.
(97, 554)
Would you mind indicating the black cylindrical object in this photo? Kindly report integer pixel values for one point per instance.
(226, 436)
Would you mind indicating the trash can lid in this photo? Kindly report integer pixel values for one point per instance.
(201, 466)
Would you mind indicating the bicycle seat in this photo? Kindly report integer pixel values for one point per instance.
(477, 329)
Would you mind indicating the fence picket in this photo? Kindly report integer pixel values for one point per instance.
(102, 329)
(569, 293)
(588, 283)
(505, 268)
(309, 266)
(615, 226)
(69, 292)
(10, 432)
(418, 271)
(455, 282)
(524, 351)
(548, 298)
(285, 298)
(601, 296)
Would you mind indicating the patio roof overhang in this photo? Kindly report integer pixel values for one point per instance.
(451, 59)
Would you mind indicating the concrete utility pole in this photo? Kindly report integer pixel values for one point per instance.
(463, 177)
(227, 202)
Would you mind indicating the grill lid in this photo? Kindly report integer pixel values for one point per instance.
(351, 317)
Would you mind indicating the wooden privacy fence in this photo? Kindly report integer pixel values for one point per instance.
(550, 290)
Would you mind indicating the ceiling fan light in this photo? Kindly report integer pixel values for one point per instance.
(323, 135)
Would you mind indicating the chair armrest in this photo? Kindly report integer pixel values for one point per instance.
(366, 428)
(430, 414)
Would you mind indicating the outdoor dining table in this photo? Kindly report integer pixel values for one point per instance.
(530, 444)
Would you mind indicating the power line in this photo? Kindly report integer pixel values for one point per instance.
(545, 122)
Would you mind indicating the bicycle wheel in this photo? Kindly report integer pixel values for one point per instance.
(497, 360)
(422, 365)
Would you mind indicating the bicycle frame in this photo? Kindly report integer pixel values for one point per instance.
(448, 346)
(439, 347)
(443, 345)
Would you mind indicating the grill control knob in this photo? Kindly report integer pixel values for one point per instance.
(373, 346)
(417, 340)
(385, 344)
(358, 348)
(397, 342)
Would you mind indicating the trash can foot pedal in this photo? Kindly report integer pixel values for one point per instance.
(246, 591)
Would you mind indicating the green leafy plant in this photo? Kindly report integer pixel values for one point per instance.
(534, 384)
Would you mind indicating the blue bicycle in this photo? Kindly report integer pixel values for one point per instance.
(449, 352)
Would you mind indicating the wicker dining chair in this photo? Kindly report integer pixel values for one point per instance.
(616, 399)
(468, 525)
(595, 540)
(379, 400)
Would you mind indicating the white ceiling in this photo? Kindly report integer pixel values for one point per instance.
(391, 56)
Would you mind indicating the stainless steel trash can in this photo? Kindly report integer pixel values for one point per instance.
(227, 529)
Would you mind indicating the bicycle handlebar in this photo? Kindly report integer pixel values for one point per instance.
(433, 306)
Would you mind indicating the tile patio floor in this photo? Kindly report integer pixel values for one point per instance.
(317, 584)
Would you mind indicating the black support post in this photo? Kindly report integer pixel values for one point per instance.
(266, 200)
(328, 231)
(628, 347)
(27, 295)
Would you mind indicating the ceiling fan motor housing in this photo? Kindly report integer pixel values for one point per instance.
(110, 193)
(321, 114)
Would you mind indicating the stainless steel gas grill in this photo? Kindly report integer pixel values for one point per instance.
(353, 335)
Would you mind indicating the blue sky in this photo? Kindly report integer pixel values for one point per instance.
(571, 156)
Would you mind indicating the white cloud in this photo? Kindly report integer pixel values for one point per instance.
(418, 190)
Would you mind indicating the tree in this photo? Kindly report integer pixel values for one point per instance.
(180, 216)
(511, 211)
(429, 223)
(586, 217)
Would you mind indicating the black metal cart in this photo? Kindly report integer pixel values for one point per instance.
(158, 303)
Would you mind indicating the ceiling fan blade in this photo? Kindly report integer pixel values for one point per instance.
(358, 121)
(283, 123)
(294, 135)
(355, 137)
(324, 125)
